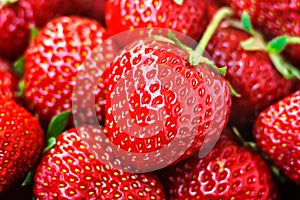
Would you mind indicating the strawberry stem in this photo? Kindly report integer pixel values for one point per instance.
(285, 68)
(6, 2)
(293, 40)
(216, 20)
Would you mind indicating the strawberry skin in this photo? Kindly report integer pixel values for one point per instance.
(188, 18)
(8, 82)
(156, 98)
(277, 130)
(21, 143)
(70, 171)
(251, 74)
(229, 171)
(274, 18)
(16, 19)
(52, 61)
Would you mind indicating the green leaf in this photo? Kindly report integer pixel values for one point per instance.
(18, 65)
(29, 178)
(277, 44)
(178, 2)
(33, 33)
(21, 88)
(58, 124)
(246, 22)
(51, 143)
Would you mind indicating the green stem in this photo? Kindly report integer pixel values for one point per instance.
(293, 40)
(286, 69)
(6, 2)
(213, 25)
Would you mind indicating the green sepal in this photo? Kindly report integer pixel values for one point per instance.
(277, 44)
(246, 22)
(233, 92)
(29, 178)
(6, 2)
(58, 124)
(34, 31)
(50, 144)
(18, 65)
(286, 69)
(253, 44)
(21, 87)
(179, 2)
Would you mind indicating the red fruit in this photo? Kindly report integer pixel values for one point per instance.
(91, 8)
(274, 18)
(213, 6)
(229, 171)
(71, 171)
(52, 62)
(251, 74)
(159, 107)
(188, 18)
(8, 82)
(277, 133)
(21, 143)
(45, 11)
(16, 19)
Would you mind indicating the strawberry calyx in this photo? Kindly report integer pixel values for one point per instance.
(274, 47)
(7, 2)
(179, 2)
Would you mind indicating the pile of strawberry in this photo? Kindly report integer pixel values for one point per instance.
(234, 115)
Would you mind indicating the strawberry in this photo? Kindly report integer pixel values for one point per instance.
(16, 20)
(52, 61)
(274, 18)
(8, 81)
(229, 171)
(91, 8)
(251, 73)
(160, 107)
(70, 170)
(44, 11)
(188, 17)
(276, 131)
(21, 143)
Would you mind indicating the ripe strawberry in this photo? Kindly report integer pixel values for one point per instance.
(91, 8)
(229, 171)
(277, 133)
(8, 82)
(188, 18)
(251, 74)
(71, 171)
(44, 11)
(52, 61)
(21, 143)
(274, 18)
(159, 107)
(16, 19)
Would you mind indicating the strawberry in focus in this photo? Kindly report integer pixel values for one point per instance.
(160, 107)
(21, 143)
(73, 169)
(276, 132)
(52, 61)
(229, 171)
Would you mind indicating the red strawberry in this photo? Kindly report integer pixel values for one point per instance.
(16, 19)
(159, 107)
(277, 131)
(52, 61)
(8, 81)
(91, 8)
(71, 171)
(188, 18)
(44, 10)
(274, 18)
(229, 171)
(251, 74)
(21, 143)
